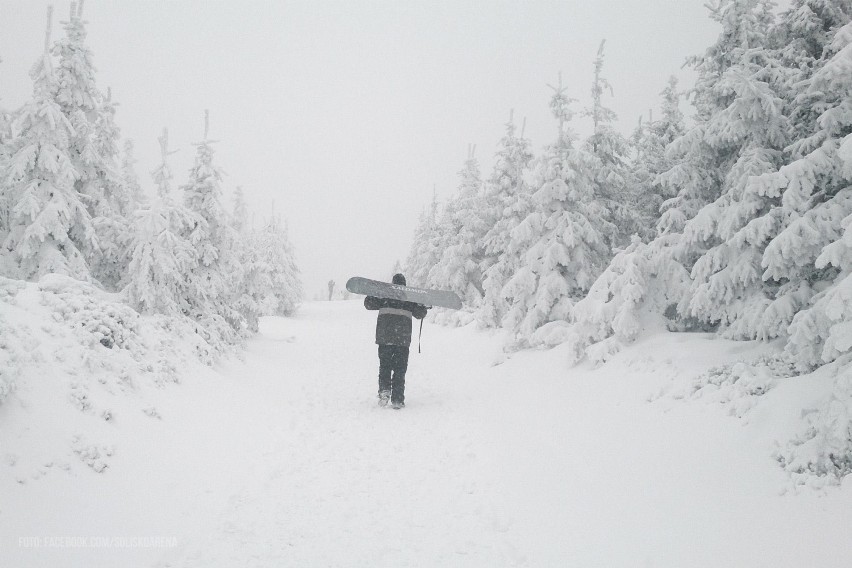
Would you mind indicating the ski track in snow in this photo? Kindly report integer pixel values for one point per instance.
(285, 459)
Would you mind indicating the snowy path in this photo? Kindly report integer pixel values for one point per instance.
(285, 460)
(345, 483)
(527, 463)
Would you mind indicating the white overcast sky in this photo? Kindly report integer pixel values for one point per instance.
(346, 113)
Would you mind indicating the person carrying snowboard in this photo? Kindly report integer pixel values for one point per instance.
(393, 336)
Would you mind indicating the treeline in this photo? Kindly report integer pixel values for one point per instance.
(71, 203)
(738, 220)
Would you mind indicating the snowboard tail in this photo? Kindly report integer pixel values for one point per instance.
(439, 298)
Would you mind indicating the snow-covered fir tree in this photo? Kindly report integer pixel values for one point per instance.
(161, 259)
(78, 95)
(698, 166)
(255, 295)
(397, 268)
(425, 248)
(810, 184)
(162, 174)
(507, 202)
(565, 241)
(117, 199)
(812, 254)
(239, 213)
(50, 228)
(642, 282)
(5, 148)
(288, 274)
(610, 149)
(745, 134)
(462, 228)
(134, 190)
(94, 151)
(671, 125)
(649, 141)
(215, 269)
(279, 257)
(161, 256)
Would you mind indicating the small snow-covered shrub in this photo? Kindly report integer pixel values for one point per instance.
(93, 455)
(10, 288)
(89, 310)
(739, 384)
(453, 318)
(822, 454)
(551, 334)
(8, 372)
(17, 344)
(164, 330)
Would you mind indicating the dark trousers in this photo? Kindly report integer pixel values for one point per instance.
(393, 362)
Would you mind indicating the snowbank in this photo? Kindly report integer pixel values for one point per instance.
(73, 361)
(814, 440)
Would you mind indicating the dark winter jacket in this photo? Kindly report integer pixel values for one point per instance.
(394, 322)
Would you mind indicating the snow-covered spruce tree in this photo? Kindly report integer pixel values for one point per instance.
(649, 143)
(817, 195)
(291, 276)
(722, 244)
(215, 269)
(564, 242)
(255, 296)
(134, 190)
(49, 226)
(611, 149)
(812, 184)
(643, 282)
(162, 174)
(94, 151)
(279, 257)
(816, 247)
(397, 268)
(161, 258)
(5, 193)
(823, 334)
(117, 199)
(810, 257)
(699, 168)
(671, 125)
(113, 216)
(507, 203)
(425, 248)
(239, 213)
(463, 227)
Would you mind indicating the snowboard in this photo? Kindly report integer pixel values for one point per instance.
(439, 298)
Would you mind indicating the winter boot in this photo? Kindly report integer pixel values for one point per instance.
(384, 396)
(397, 405)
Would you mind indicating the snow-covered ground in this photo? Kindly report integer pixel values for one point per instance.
(284, 459)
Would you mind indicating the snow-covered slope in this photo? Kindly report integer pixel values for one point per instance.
(284, 459)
